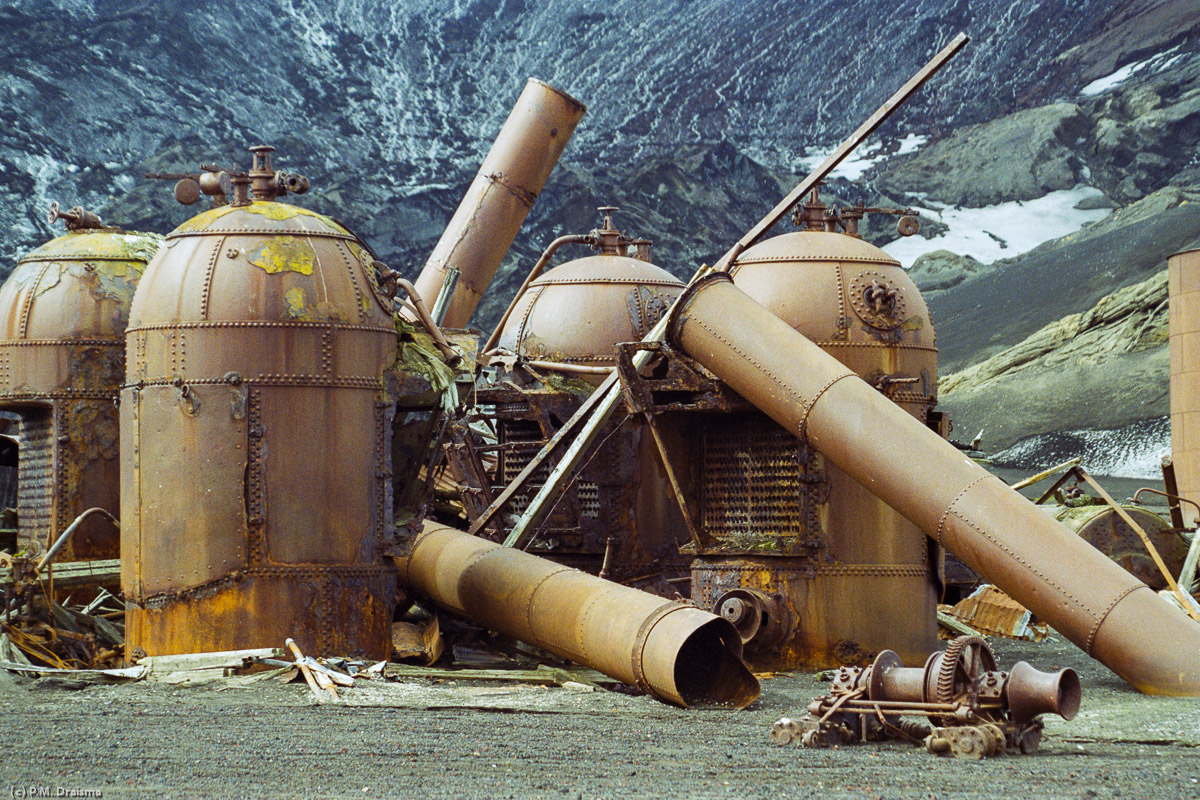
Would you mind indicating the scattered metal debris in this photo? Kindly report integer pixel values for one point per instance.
(990, 611)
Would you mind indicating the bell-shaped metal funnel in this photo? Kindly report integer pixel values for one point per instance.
(1030, 692)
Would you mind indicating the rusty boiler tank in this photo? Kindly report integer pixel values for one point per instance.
(255, 433)
(564, 328)
(811, 566)
(63, 313)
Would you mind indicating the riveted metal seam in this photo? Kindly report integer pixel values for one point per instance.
(1096, 628)
(841, 292)
(75, 258)
(105, 393)
(27, 303)
(742, 260)
(803, 432)
(643, 636)
(344, 252)
(61, 343)
(256, 510)
(615, 281)
(949, 508)
(534, 295)
(261, 232)
(348, 382)
(1015, 556)
(876, 345)
(163, 326)
(327, 352)
(769, 375)
(206, 288)
(529, 625)
(61, 497)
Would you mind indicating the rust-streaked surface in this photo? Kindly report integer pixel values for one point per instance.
(63, 313)
(1183, 288)
(842, 572)
(256, 439)
(1085, 596)
(673, 650)
(506, 187)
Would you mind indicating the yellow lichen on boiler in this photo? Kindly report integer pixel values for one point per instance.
(297, 306)
(285, 254)
(203, 221)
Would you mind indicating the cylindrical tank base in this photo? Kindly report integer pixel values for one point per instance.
(327, 610)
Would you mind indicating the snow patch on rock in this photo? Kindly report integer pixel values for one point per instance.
(1003, 230)
(1158, 62)
(867, 156)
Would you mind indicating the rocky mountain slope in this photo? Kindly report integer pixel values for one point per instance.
(701, 114)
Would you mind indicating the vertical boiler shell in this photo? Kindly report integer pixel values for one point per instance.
(63, 313)
(255, 444)
(1183, 287)
(873, 586)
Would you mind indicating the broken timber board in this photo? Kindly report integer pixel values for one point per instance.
(77, 573)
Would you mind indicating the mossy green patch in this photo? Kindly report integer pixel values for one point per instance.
(416, 353)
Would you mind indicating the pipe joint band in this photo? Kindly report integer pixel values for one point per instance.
(643, 635)
(1091, 639)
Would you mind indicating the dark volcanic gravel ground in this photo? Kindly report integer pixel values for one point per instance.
(437, 740)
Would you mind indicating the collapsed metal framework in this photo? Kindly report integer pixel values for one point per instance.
(995, 531)
(209, 379)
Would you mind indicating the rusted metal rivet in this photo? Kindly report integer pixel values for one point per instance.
(232, 378)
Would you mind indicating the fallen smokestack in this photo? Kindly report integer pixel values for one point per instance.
(508, 183)
(1091, 600)
(668, 648)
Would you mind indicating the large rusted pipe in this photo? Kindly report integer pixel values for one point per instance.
(1091, 600)
(491, 213)
(670, 649)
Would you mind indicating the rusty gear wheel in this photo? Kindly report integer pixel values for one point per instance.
(961, 663)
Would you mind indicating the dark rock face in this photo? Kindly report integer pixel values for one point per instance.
(1018, 157)
(389, 107)
(941, 270)
(1015, 297)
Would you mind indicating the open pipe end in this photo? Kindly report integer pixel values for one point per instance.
(692, 658)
